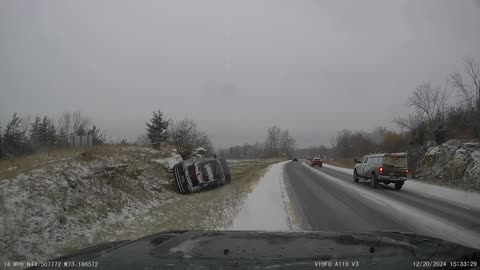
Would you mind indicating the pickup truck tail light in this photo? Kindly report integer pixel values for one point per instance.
(380, 170)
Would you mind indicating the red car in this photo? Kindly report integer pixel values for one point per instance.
(316, 162)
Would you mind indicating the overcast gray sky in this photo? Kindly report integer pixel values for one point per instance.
(235, 67)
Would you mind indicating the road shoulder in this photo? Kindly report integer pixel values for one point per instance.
(265, 207)
(461, 198)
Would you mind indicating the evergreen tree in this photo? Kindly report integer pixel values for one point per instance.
(14, 138)
(98, 137)
(49, 133)
(157, 129)
(1, 143)
(36, 133)
(62, 137)
(43, 132)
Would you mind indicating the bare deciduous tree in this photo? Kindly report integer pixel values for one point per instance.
(143, 140)
(287, 143)
(80, 123)
(272, 141)
(64, 128)
(68, 123)
(185, 137)
(429, 101)
(65, 122)
(279, 142)
(411, 122)
(243, 151)
(430, 106)
(469, 91)
(205, 142)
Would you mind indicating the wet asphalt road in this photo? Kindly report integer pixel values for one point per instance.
(327, 200)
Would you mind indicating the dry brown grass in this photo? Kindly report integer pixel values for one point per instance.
(40, 160)
(209, 209)
(96, 152)
(23, 164)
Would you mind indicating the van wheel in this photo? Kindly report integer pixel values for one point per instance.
(398, 185)
(226, 170)
(180, 184)
(374, 181)
(355, 176)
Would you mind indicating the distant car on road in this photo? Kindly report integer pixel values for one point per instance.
(198, 173)
(294, 159)
(382, 168)
(316, 162)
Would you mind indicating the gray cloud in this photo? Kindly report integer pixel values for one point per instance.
(236, 67)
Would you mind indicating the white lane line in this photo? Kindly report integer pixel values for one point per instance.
(287, 203)
(451, 202)
(370, 198)
(461, 206)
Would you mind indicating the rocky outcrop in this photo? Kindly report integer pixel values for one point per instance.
(453, 163)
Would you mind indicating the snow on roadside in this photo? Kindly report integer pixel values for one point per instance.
(465, 199)
(265, 208)
(170, 161)
(110, 194)
(75, 202)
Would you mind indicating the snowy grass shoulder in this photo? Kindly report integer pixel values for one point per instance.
(266, 207)
(57, 202)
(63, 199)
(47, 159)
(214, 208)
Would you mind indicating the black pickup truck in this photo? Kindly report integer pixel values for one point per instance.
(382, 168)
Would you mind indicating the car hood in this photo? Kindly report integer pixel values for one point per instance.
(262, 249)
